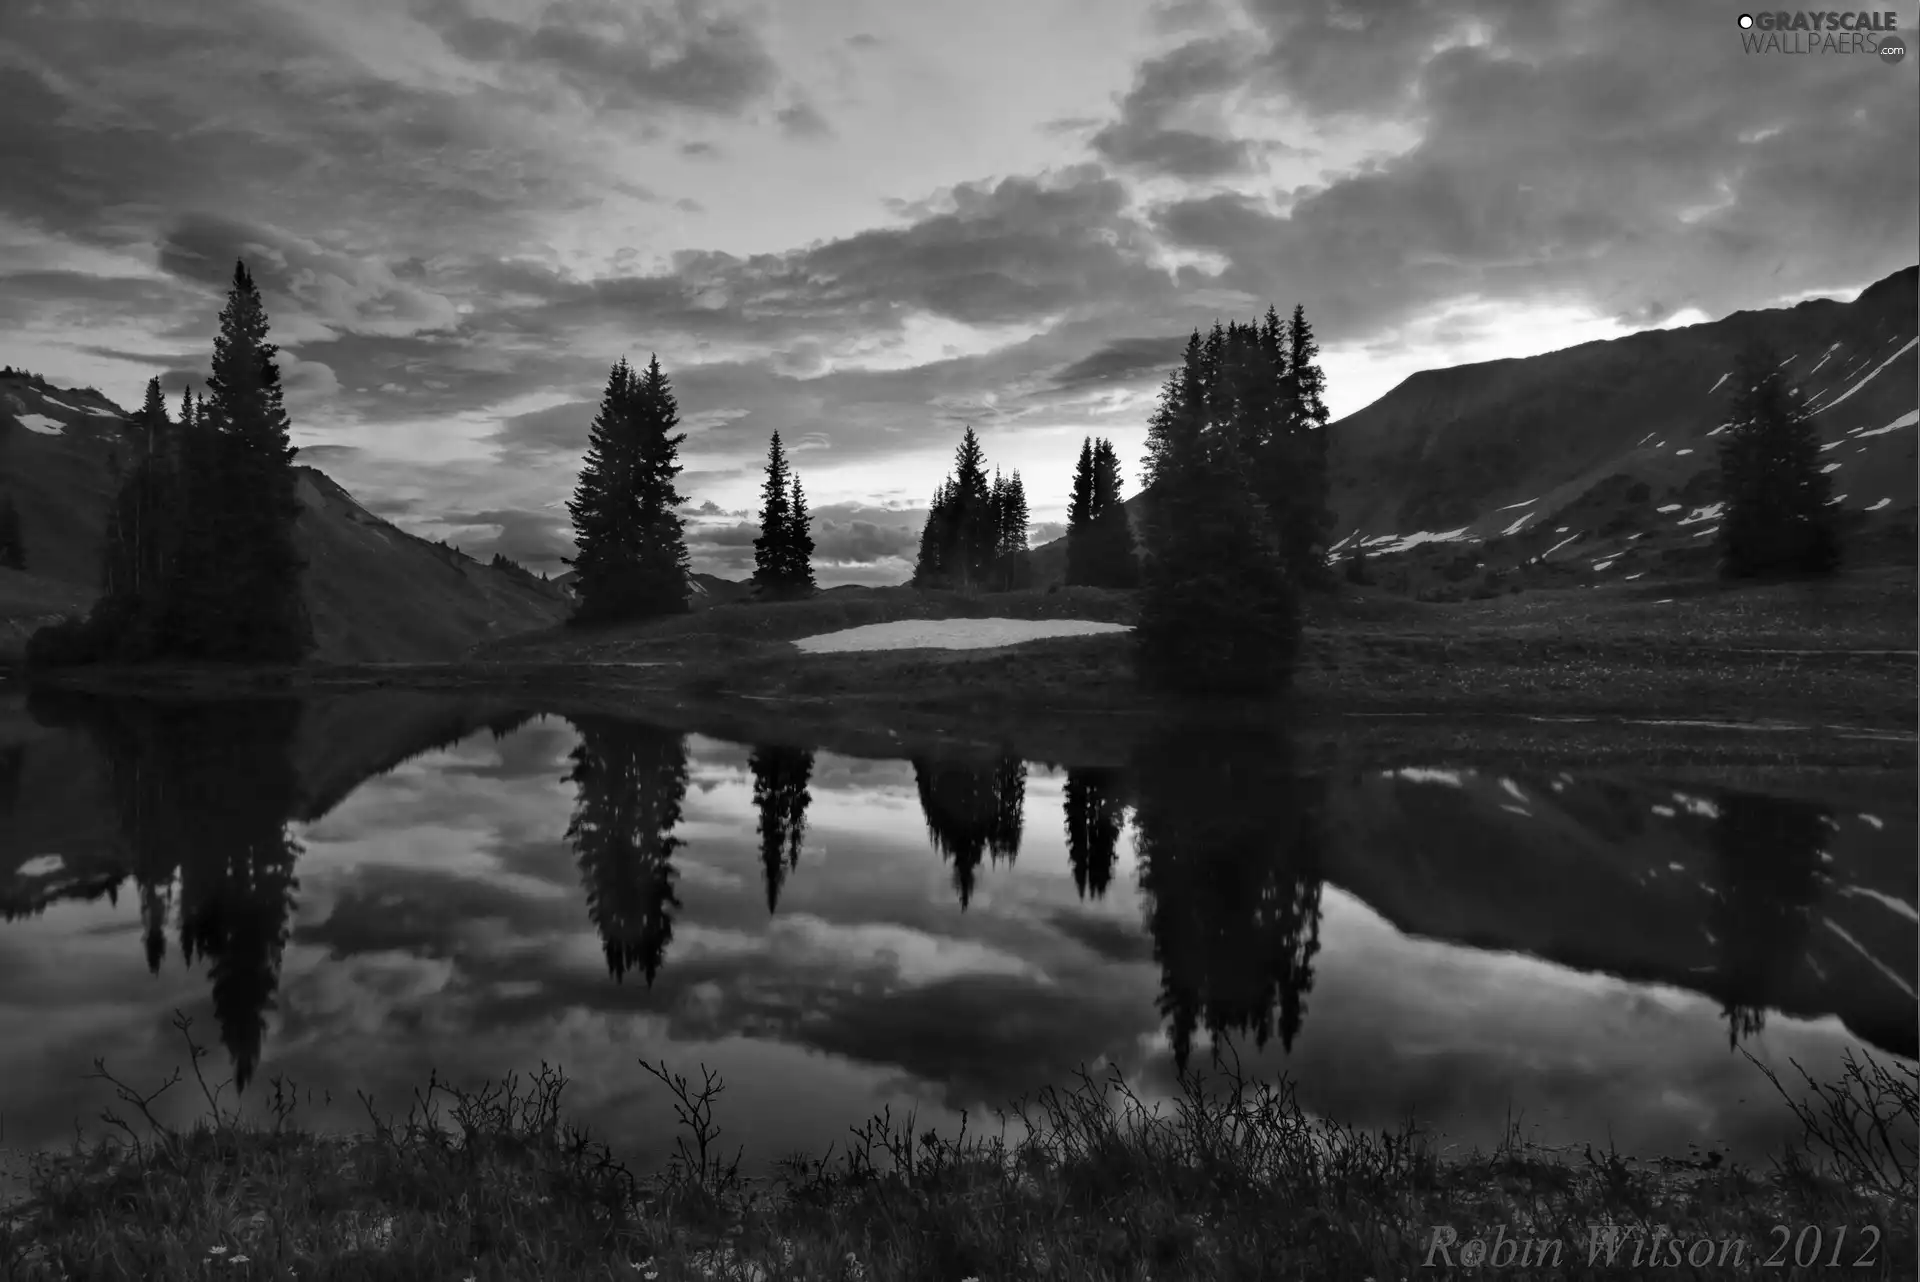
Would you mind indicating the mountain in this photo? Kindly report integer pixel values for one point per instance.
(378, 594)
(1599, 461)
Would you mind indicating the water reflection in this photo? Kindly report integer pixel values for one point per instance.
(632, 782)
(1767, 865)
(780, 800)
(1229, 841)
(1095, 800)
(1421, 939)
(202, 794)
(973, 810)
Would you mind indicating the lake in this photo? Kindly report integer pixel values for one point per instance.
(356, 890)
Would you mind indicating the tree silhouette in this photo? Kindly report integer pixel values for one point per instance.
(782, 555)
(962, 541)
(1780, 517)
(1229, 841)
(1768, 861)
(973, 810)
(780, 777)
(202, 794)
(632, 781)
(1096, 814)
(631, 556)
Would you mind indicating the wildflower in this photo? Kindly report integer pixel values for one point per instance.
(238, 1259)
(216, 1250)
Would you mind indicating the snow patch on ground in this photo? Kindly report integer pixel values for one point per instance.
(1670, 507)
(1825, 356)
(1515, 527)
(950, 634)
(1556, 547)
(1911, 344)
(1909, 419)
(1831, 445)
(1723, 378)
(1831, 467)
(1877, 506)
(42, 424)
(1601, 565)
(1412, 541)
(1677, 453)
(1699, 514)
(1522, 503)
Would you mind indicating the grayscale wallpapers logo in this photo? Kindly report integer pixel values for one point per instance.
(1806, 32)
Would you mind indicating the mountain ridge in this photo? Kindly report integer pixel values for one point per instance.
(1451, 468)
(377, 593)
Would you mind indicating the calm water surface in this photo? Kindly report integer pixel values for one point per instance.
(355, 890)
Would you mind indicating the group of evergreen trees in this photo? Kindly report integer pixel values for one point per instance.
(975, 537)
(1780, 517)
(783, 554)
(631, 558)
(1099, 538)
(200, 561)
(1237, 517)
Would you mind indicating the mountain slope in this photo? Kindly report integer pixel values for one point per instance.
(378, 594)
(1601, 457)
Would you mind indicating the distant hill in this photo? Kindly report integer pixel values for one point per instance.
(378, 594)
(1600, 460)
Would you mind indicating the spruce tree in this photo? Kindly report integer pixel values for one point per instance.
(1309, 520)
(1013, 572)
(1779, 517)
(233, 589)
(1081, 544)
(1218, 614)
(974, 524)
(13, 550)
(1112, 534)
(930, 566)
(772, 553)
(631, 556)
(799, 544)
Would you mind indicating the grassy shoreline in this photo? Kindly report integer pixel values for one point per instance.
(1236, 1181)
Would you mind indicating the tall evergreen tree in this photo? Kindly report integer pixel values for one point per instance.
(631, 556)
(799, 545)
(1309, 520)
(1012, 571)
(960, 544)
(772, 551)
(1114, 564)
(13, 548)
(1780, 517)
(1081, 554)
(1219, 613)
(234, 588)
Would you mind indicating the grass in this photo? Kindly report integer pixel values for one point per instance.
(1236, 1181)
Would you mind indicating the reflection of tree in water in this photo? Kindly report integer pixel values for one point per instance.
(1229, 843)
(1096, 813)
(203, 792)
(13, 764)
(972, 811)
(632, 780)
(1768, 858)
(780, 777)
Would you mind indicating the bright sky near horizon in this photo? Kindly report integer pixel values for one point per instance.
(869, 224)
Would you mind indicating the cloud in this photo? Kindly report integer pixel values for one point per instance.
(619, 57)
(803, 120)
(1562, 156)
(1145, 137)
(1123, 360)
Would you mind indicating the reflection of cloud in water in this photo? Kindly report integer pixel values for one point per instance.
(440, 923)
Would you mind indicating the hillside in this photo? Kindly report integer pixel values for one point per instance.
(1598, 461)
(378, 594)
(708, 589)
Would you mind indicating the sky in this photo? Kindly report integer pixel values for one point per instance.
(869, 225)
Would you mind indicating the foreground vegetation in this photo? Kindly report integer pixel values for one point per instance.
(1235, 1182)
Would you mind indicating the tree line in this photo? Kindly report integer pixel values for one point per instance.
(975, 536)
(199, 561)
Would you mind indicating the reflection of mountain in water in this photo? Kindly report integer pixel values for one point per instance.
(632, 781)
(780, 799)
(193, 800)
(973, 810)
(1755, 902)
(1229, 842)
